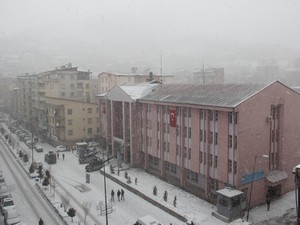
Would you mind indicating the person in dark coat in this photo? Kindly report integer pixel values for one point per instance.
(268, 201)
(118, 194)
(122, 195)
(41, 222)
(63, 156)
(112, 195)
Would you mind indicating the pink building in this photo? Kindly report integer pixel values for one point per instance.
(203, 138)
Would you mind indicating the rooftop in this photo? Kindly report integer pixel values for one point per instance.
(221, 95)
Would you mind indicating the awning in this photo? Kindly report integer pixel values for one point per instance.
(276, 176)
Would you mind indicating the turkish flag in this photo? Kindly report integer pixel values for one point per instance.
(172, 118)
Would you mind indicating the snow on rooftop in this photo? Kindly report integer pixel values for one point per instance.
(136, 91)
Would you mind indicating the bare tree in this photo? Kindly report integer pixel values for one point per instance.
(65, 199)
(86, 209)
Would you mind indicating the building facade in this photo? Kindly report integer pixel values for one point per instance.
(203, 138)
(71, 121)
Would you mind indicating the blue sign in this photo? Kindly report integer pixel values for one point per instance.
(257, 175)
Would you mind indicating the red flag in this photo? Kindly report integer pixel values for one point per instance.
(172, 118)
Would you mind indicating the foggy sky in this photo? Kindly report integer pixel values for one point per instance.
(139, 31)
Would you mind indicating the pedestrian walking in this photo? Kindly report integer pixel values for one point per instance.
(135, 181)
(112, 195)
(41, 222)
(268, 201)
(63, 156)
(122, 195)
(57, 155)
(118, 194)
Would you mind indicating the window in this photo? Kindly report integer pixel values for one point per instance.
(230, 117)
(72, 86)
(70, 111)
(230, 141)
(70, 132)
(201, 157)
(70, 122)
(189, 153)
(229, 165)
(235, 142)
(210, 115)
(235, 167)
(211, 137)
(177, 150)
(201, 135)
(177, 130)
(236, 114)
(216, 138)
(210, 160)
(89, 110)
(216, 116)
(191, 176)
(63, 86)
(90, 130)
(89, 120)
(190, 132)
(62, 94)
(216, 161)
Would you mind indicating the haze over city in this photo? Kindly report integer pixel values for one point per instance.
(117, 35)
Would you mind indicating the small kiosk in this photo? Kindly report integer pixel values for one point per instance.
(229, 206)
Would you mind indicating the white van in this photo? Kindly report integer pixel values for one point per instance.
(147, 220)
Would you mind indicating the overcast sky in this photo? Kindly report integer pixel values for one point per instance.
(168, 27)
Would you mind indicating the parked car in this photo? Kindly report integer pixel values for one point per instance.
(38, 148)
(2, 180)
(6, 204)
(11, 217)
(61, 148)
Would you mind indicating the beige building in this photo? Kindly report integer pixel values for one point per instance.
(106, 81)
(71, 121)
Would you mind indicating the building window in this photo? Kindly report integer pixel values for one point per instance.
(62, 94)
(210, 160)
(235, 167)
(177, 150)
(70, 111)
(89, 120)
(63, 86)
(70, 132)
(89, 110)
(229, 165)
(189, 112)
(87, 86)
(201, 135)
(216, 138)
(189, 153)
(70, 122)
(177, 130)
(235, 142)
(90, 130)
(190, 132)
(210, 115)
(201, 157)
(230, 117)
(230, 141)
(216, 161)
(191, 176)
(236, 115)
(72, 86)
(211, 137)
(216, 116)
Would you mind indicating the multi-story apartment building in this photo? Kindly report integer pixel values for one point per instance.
(108, 80)
(203, 138)
(25, 111)
(68, 83)
(70, 121)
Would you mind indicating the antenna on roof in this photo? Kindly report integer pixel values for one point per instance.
(161, 69)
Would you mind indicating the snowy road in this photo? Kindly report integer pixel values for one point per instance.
(29, 203)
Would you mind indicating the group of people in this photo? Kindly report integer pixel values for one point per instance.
(63, 156)
(120, 195)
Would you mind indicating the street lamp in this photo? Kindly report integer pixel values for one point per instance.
(104, 175)
(249, 202)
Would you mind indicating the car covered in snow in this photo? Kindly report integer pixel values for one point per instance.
(11, 217)
(6, 204)
(61, 148)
